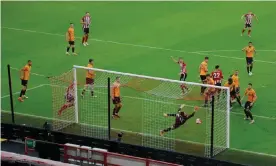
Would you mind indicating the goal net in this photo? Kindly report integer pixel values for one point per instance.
(144, 101)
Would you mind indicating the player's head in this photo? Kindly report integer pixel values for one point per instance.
(182, 113)
(217, 67)
(249, 44)
(118, 79)
(29, 62)
(91, 61)
(180, 59)
(230, 81)
(249, 86)
(249, 12)
(236, 72)
(71, 25)
(87, 14)
(206, 59)
(208, 76)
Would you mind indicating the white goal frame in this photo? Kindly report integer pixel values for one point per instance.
(75, 67)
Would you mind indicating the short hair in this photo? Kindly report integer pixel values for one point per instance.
(91, 60)
(86, 12)
(71, 23)
(206, 57)
(29, 61)
(217, 66)
(250, 42)
(117, 77)
(208, 75)
(250, 84)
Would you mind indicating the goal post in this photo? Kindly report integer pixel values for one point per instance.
(145, 99)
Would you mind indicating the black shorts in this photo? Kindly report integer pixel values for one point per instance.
(116, 100)
(183, 77)
(237, 89)
(71, 43)
(247, 25)
(89, 81)
(86, 30)
(203, 78)
(247, 105)
(249, 60)
(218, 84)
(24, 82)
(233, 93)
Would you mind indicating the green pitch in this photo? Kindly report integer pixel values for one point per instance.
(140, 37)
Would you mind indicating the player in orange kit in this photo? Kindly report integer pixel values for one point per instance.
(90, 76)
(116, 98)
(251, 99)
(210, 91)
(203, 69)
(25, 76)
(249, 51)
(70, 37)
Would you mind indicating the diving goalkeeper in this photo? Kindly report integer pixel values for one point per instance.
(69, 99)
(180, 118)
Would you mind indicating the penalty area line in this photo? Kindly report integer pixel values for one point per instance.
(39, 86)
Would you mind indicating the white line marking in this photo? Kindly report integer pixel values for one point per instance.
(39, 86)
(234, 51)
(142, 46)
(138, 133)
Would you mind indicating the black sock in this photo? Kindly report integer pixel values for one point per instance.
(168, 129)
(239, 100)
(247, 69)
(250, 115)
(92, 93)
(24, 92)
(246, 113)
(118, 109)
(251, 67)
(21, 93)
(83, 91)
(68, 48)
(73, 49)
(114, 110)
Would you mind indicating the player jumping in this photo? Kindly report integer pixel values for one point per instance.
(90, 75)
(183, 73)
(180, 118)
(249, 51)
(85, 21)
(252, 97)
(24, 76)
(248, 22)
(69, 99)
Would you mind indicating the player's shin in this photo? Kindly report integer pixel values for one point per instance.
(83, 39)
(239, 100)
(167, 129)
(73, 49)
(246, 113)
(67, 49)
(250, 115)
(251, 67)
(248, 69)
(249, 32)
(243, 30)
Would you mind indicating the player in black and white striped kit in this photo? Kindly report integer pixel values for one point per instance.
(248, 22)
(85, 21)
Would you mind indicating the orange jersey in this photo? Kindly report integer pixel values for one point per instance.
(116, 90)
(251, 95)
(236, 80)
(231, 86)
(71, 34)
(203, 68)
(90, 73)
(26, 72)
(249, 51)
(211, 82)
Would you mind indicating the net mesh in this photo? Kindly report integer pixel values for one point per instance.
(144, 100)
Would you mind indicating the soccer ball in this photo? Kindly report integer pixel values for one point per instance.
(198, 121)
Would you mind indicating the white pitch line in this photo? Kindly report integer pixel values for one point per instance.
(233, 51)
(142, 46)
(138, 133)
(39, 86)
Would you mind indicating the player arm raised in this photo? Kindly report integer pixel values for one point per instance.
(174, 59)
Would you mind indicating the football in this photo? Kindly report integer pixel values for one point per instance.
(198, 121)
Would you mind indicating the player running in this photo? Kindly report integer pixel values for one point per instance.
(70, 37)
(249, 51)
(252, 97)
(235, 78)
(85, 21)
(90, 76)
(25, 76)
(183, 73)
(203, 69)
(180, 118)
(69, 99)
(210, 91)
(116, 98)
(248, 22)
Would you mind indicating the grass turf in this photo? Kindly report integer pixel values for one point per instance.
(169, 29)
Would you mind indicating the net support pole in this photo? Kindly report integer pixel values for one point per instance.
(228, 119)
(212, 127)
(76, 95)
(11, 97)
(108, 108)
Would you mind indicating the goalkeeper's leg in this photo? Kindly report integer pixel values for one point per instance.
(173, 127)
(64, 107)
